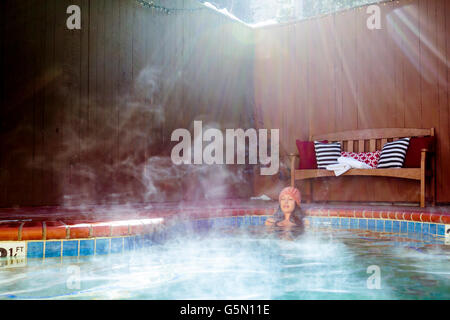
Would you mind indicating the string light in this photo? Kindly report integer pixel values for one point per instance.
(165, 10)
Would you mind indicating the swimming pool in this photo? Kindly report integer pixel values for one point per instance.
(200, 260)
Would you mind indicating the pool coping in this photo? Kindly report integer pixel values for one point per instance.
(64, 229)
(53, 233)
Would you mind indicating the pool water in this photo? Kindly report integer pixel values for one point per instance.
(256, 262)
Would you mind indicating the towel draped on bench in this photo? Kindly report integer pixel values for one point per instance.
(346, 163)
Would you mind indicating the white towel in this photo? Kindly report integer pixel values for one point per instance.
(339, 168)
(346, 163)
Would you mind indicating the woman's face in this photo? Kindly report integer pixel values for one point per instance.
(287, 203)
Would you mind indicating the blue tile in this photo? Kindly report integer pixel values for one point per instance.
(247, 220)
(192, 225)
(432, 228)
(441, 230)
(334, 222)
(255, 220)
(327, 221)
(426, 237)
(35, 249)
(179, 228)
(138, 242)
(417, 227)
(233, 221)
(353, 223)
(363, 224)
(223, 222)
(388, 225)
(157, 237)
(395, 226)
(52, 249)
(213, 222)
(148, 239)
(410, 227)
(240, 221)
(101, 246)
(86, 247)
(345, 222)
(226, 221)
(379, 225)
(116, 245)
(403, 227)
(203, 224)
(262, 219)
(371, 224)
(425, 228)
(70, 248)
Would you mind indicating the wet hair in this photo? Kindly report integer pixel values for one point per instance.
(296, 216)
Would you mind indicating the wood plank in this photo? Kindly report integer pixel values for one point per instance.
(82, 181)
(366, 134)
(346, 30)
(49, 134)
(365, 85)
(360, 145)
(3, 173)
(397, 43)
(443, 144)
(372, 145)
(411, 64)
(405, 173)
(350, 145)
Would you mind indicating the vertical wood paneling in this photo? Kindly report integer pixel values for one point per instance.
(444, 101)
(393, 77)
(3, 188)
(346, 31)
(82, 183)
(411, 62)
(396, 43)
(82, 116)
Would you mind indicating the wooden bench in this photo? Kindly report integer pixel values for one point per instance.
(372, 140)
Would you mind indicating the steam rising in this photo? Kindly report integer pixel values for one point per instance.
(242, 263)
(117, 152)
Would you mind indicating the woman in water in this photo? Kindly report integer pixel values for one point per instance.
(289, 213)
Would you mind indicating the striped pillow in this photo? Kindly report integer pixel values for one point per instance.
(393, 154)
(327, 153)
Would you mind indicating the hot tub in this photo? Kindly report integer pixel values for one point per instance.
(230, 254)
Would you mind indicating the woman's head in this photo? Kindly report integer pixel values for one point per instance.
(288, 197)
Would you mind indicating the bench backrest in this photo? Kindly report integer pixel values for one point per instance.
(370, 139)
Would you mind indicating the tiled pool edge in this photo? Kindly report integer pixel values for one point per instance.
(90, 247)
(339, 219)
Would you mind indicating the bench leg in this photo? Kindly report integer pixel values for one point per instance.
(310, 191)
(433, 183)
(422, 179)
(422, 188)
(422, 193)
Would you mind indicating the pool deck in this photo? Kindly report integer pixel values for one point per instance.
(52, 222)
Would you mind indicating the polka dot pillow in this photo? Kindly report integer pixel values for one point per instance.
(370, 158)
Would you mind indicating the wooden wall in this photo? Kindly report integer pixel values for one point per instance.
(332, 73)
(86, 115)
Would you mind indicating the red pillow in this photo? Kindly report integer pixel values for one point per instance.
(369, 158)
(412, 159)
(307, 154)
